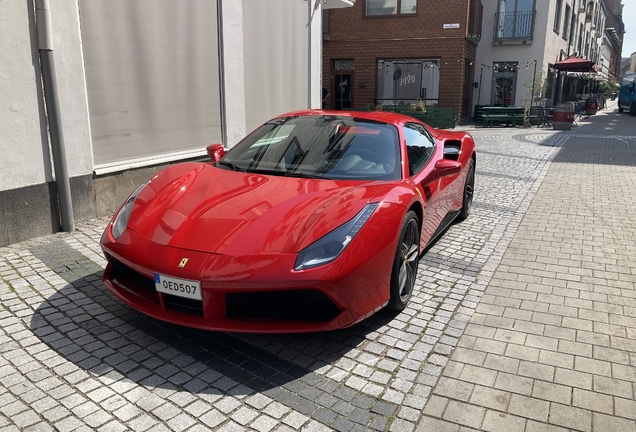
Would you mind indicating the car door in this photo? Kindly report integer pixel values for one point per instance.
(422, 153)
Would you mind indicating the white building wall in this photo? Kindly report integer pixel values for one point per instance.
(547, 46)
(490, 52)
(71, 86)
(25, 166)
(606, 54)
(21, 140)
(270, 69)
(233, 71)
(315, 51)
(24, 144)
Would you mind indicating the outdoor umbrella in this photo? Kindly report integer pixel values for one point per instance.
(576, 64)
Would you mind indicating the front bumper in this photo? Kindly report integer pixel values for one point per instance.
(256, 294)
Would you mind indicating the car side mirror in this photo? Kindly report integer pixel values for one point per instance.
(631, 89)
(443, 168)
(215, 151)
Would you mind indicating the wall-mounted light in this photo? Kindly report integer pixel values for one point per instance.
(362, 85)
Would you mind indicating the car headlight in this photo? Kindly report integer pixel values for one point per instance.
(329, 247)
(121, 220)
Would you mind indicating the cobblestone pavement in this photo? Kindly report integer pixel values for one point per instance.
(72, 357)
(552, 344)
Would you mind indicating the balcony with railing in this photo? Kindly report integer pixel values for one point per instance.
(514, 27)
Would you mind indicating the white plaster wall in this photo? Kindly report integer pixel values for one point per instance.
(233, 71)
(315, 66)
(553, 41)
(24, 143)
(545, 48)
(234, 65)
(489, 53)
(71, 86)
(606, 54)
(23, 155)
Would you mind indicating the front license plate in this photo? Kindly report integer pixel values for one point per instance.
(178, 287)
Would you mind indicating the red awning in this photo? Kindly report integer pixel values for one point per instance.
(576, 64)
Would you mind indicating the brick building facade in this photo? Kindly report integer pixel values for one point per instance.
(374, 53)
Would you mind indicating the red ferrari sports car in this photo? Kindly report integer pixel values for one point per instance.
(313, 222)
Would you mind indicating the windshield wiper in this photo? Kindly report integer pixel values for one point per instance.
(230, 165)
(305, 175)
(287, 174)
(266, 171)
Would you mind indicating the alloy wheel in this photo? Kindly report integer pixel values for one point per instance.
(409, 251)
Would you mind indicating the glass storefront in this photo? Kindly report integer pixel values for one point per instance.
(403, 82)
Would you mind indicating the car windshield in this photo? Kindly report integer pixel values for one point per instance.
(629, 78)
(325, 147)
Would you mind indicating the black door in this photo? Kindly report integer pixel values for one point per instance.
(343, 81)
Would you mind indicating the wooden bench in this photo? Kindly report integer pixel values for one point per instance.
(513, 119)
(507, 115)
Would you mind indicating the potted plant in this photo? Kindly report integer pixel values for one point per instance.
(418, 107)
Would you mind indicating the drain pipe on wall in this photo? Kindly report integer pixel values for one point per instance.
(45, 49)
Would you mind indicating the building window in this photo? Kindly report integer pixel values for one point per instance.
(580, 38)
(390, 7)
(566, 22)
(573, 28)
(557, 15)
(404, 82)
(514, 20)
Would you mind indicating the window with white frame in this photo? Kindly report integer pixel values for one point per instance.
(390, 7)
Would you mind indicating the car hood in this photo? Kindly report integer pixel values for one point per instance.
(197, 206)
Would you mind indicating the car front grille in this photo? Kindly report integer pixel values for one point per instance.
(131, 280)
(290, 305)
(184, 305)
(306, 305)
(125, 274)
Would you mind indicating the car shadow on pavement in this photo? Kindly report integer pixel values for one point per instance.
(88, 326)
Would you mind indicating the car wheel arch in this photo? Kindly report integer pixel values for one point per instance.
(418, 208)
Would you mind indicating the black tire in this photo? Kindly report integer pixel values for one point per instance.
(632, 109)
(620, 110)
(407, 258)
(469, 189)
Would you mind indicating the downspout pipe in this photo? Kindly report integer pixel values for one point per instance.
(45, 49)
(221, 43)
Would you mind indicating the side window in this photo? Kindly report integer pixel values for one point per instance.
(420, 146)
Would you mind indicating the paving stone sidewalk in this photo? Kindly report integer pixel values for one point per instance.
(74, 358)
(552, 344)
